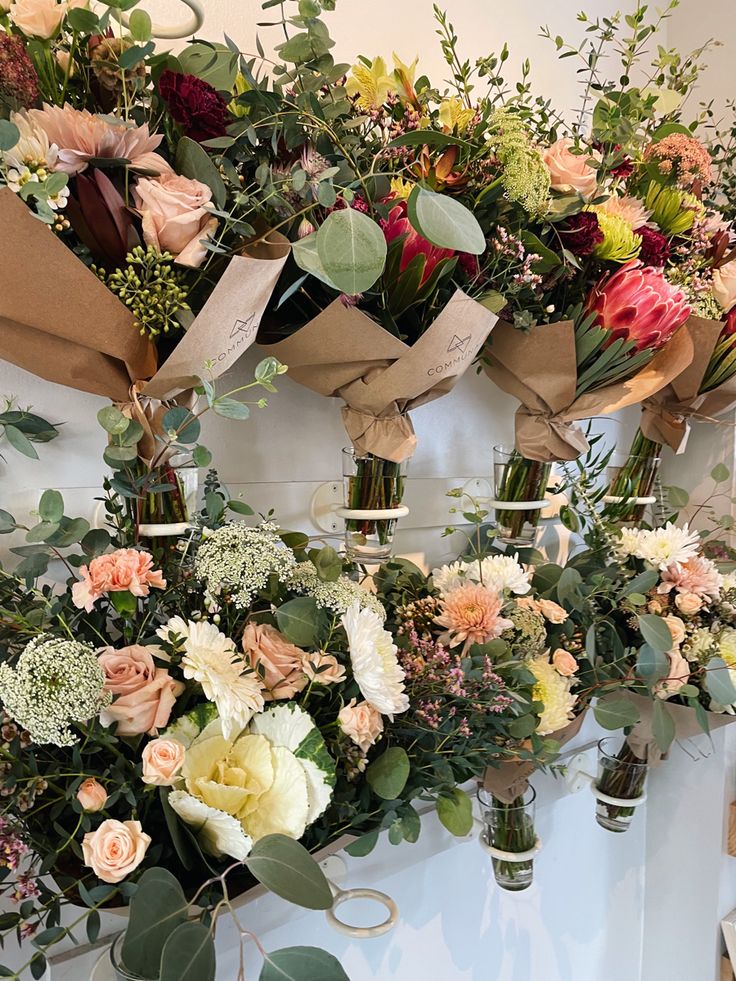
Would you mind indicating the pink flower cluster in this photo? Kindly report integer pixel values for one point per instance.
(683, 156)
(12, 848)
(125, 569)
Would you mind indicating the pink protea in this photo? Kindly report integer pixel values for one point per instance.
(414, 244)
(124, 569)
(637, 304)
(472, 614)
(698, 575)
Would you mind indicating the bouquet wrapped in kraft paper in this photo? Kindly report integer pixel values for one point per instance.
(540, 368)
(642, 739)
(60, 322)
(510, 780)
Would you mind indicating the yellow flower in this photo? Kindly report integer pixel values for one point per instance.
(454, 115)
(371, 84)
(401, 188)
(241, 85)
(554, 692)
(620, 242)
(404, 76)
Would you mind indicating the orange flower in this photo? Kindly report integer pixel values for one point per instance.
(125, 569)
(471, 614)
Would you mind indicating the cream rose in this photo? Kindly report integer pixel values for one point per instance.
(115, 849)
(145, 694)
(676, 627)
(564, 663)
(37, 18)
(162, 760)
(92, 795)
(552, 611)
(569, 171)
(278, 662)
(688, 603)
(324, 669)
(361, 722)
(174, 216)
(724, 285)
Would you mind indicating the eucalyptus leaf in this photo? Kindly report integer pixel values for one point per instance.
(298, 620)
(9, 134)
(20, 442)
(140, 25)
(616, 713)
(652, 665)
(352, 250)
(718, 682)
(663, 725)
(189, 954)
(194, 162)
(388, 774)
(655, 632)
(455, 811)
(157, 909)
(51, 506)
(288, 870)
(301, 964)
(363, 846)
(444, 222)
(112, 420)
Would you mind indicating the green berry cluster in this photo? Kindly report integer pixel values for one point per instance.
(151, 287)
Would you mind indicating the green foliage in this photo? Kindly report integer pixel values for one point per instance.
(286, 868)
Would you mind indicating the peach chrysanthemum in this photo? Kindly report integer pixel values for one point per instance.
(472, 614)
(628, 208)
(697, 575)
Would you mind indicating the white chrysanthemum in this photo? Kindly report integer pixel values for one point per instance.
(628, 542)
(554, 691)
(662, 546)
(729, 582)
(218, 833)
(336, 596)
(54, 683)
(211, 659)
(376, 668)
(238, 560)
(501, 572)
(449, 577)
(727, 646)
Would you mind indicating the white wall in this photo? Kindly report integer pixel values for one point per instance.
(587, 917)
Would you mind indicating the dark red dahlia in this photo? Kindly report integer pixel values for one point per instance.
(194, 104)
(581, 233)
(18, 78)
(655, 249)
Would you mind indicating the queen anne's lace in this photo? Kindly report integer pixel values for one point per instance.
(337, 596)
(55, 682)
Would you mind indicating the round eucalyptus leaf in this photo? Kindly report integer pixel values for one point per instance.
(352, 250)
(445, 222)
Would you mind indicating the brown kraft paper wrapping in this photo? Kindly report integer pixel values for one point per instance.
(58, 321)
(665, 416)
(641, 738)
(511, 779)
(539, 368)
(345, 354)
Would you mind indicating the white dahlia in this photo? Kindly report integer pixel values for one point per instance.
(554, 691)
(373, 657)
(501, 572)
(449, 577)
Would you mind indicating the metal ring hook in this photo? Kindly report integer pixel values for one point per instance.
(186, 29)
(362, 933)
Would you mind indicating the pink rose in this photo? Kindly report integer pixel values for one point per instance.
(174, 215)
(688, 603)
(324, 669)
(676, 627)
(277, 662)
(92, 795)
(724, 285)
(552, 611)
(677, 678)
(569, 171)
(162, 760)
(564, 663)
(37, 18)
(115, 849)
(361, 722)
(125, 569)
(146, 694)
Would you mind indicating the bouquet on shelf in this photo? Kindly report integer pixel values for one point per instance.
(111, 198)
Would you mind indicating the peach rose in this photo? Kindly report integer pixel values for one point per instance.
(146, 694)
(724, 285)
(92, 795)
(125, 569)
(277, 662)
(162, 760)
(361, 722)
(37, 18)
(115, 849)
(569, 171)
(688, 603)
(552, 611)
(677, 678)
(564, 663)
(323, 668)
(677, 629)
(174, 215)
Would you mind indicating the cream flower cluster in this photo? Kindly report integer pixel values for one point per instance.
(211, 659)
(337, 596)
(497, 572)
(239, 559)
(660, 547)
(54, 683)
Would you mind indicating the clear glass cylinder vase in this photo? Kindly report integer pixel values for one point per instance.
(371, 484)
(510, 828)
(631, 487)
(519, 481)
(168, 500)
(119, 971)
(621, 776)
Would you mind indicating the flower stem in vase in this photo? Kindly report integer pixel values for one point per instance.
(635, 479)
(517, 479)
(510, 828)
(371, 484)
(622, 775)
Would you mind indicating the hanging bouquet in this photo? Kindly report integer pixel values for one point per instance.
(110, 198)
